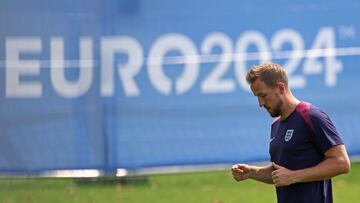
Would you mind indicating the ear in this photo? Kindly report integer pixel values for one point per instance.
(281, 87)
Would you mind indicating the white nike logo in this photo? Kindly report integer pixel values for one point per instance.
(271, 139)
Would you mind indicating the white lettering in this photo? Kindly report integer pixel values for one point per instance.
(109, 47)
(15, 67)
(71, 89)
(324, 45)
(165, 43)
(214, 83)
(295, 57)
(264, 55)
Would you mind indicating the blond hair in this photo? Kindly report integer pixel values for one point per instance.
(269, 73)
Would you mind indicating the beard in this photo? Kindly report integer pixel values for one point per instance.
(276, 111)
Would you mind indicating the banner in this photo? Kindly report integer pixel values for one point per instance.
(134, 84)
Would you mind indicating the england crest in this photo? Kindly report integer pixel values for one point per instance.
(289, 134)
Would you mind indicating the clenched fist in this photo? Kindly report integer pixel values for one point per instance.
(241, 172)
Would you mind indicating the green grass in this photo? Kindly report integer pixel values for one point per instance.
(209, 187)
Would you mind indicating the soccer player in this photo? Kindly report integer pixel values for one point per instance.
(305, 148)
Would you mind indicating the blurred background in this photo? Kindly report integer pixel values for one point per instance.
(127, 88)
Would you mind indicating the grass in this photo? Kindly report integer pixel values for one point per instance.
(209, 187)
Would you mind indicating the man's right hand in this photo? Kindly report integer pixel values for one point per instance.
(241, 172)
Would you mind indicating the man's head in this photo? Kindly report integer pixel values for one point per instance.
(269, 83)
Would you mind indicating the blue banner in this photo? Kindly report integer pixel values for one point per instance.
(134, 84)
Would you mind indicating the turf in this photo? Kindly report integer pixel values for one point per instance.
(209, 187)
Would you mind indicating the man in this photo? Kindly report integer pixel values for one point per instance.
(305, 148)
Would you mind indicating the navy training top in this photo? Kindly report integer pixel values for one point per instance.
(299, 142)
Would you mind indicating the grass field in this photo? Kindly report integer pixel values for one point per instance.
(209, 187)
